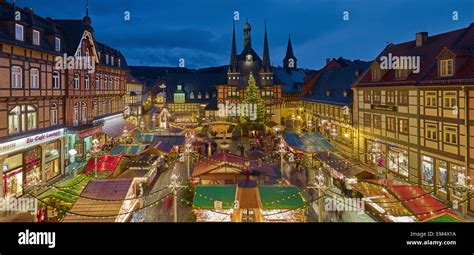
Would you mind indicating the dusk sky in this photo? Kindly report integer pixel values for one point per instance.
(161, 32)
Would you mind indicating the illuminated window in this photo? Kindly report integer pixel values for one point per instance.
(403, 97)
(391, 126)
(403, 126)
(450, 99)
(34, 78)
(431, 132)
(56, 80)
(36, 37)
(377, 121)
(446, 67)
(391, 97)
(430, 99)
(451, 135)
(54, 114)
(76, 81)
(22, 118)
(367, 120)
(17, 77)
(19, 35)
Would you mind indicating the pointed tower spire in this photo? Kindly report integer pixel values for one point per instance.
(289, 62)
(266, 52)
(87, 20)
(233, 65)
(247, 34)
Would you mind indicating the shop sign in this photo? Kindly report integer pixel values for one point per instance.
(391, 108)
(30, 141)
(90, 132)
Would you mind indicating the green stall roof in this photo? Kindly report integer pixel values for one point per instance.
(280, 197)
(205, 195)
(272, 196)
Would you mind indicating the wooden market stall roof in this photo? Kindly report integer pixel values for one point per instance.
(91, 203)
(104, 164)
(114, 128)
(310, 142)
(221, 160)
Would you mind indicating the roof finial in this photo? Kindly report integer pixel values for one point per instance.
(87, 8)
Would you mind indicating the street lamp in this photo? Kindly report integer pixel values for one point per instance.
(282, 152)
(188, 150)
(95, 151)
(320, 186)
(175, 184)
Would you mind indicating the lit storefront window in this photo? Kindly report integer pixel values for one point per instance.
(442, 175)
(428, 170)
(458, 176)
(398, 161)
(33, 165)
(13, 175)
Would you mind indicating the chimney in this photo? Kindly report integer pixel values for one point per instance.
(421, 38)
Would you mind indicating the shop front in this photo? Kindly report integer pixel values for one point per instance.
(447, 179)
(81, 142)
(30, 160)
(383, 155)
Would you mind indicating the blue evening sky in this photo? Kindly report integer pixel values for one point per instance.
(161, 32)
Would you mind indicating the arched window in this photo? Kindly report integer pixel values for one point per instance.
(191, 95)
(56, 80)
(22, 118)
(54, 114)
(87, 84)
(76, 81)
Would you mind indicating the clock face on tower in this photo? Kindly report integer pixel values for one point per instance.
(249, 58)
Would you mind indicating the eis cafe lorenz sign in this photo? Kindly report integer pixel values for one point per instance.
(30, 141)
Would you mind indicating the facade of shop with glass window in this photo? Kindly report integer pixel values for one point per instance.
(31, 159)
(420, 126)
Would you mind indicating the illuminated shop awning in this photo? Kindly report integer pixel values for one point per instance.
(422, 204)
(310, 142)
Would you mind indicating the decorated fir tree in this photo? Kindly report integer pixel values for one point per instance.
(253, 100)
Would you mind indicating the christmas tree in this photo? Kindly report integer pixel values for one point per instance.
(253, 100)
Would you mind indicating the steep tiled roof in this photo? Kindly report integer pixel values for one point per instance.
(334, 82)
(460, 42)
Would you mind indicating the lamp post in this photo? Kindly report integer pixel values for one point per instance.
(282, 152)
(96, 152)
(320, 186)
(175, 184)
(188, 151)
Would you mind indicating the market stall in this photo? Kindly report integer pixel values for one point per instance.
(243, 202)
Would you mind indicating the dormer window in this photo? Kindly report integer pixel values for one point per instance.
(191, 95)
(112, 60)
(401, 73)
(207, 95)
(36, 37)
(328, 93)
(345, 93)
(19, 32)
(57, 44)
(199, 95)
(376, 72)
(107, 59)
(446, 67)
(119, 63)
(179, 87)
